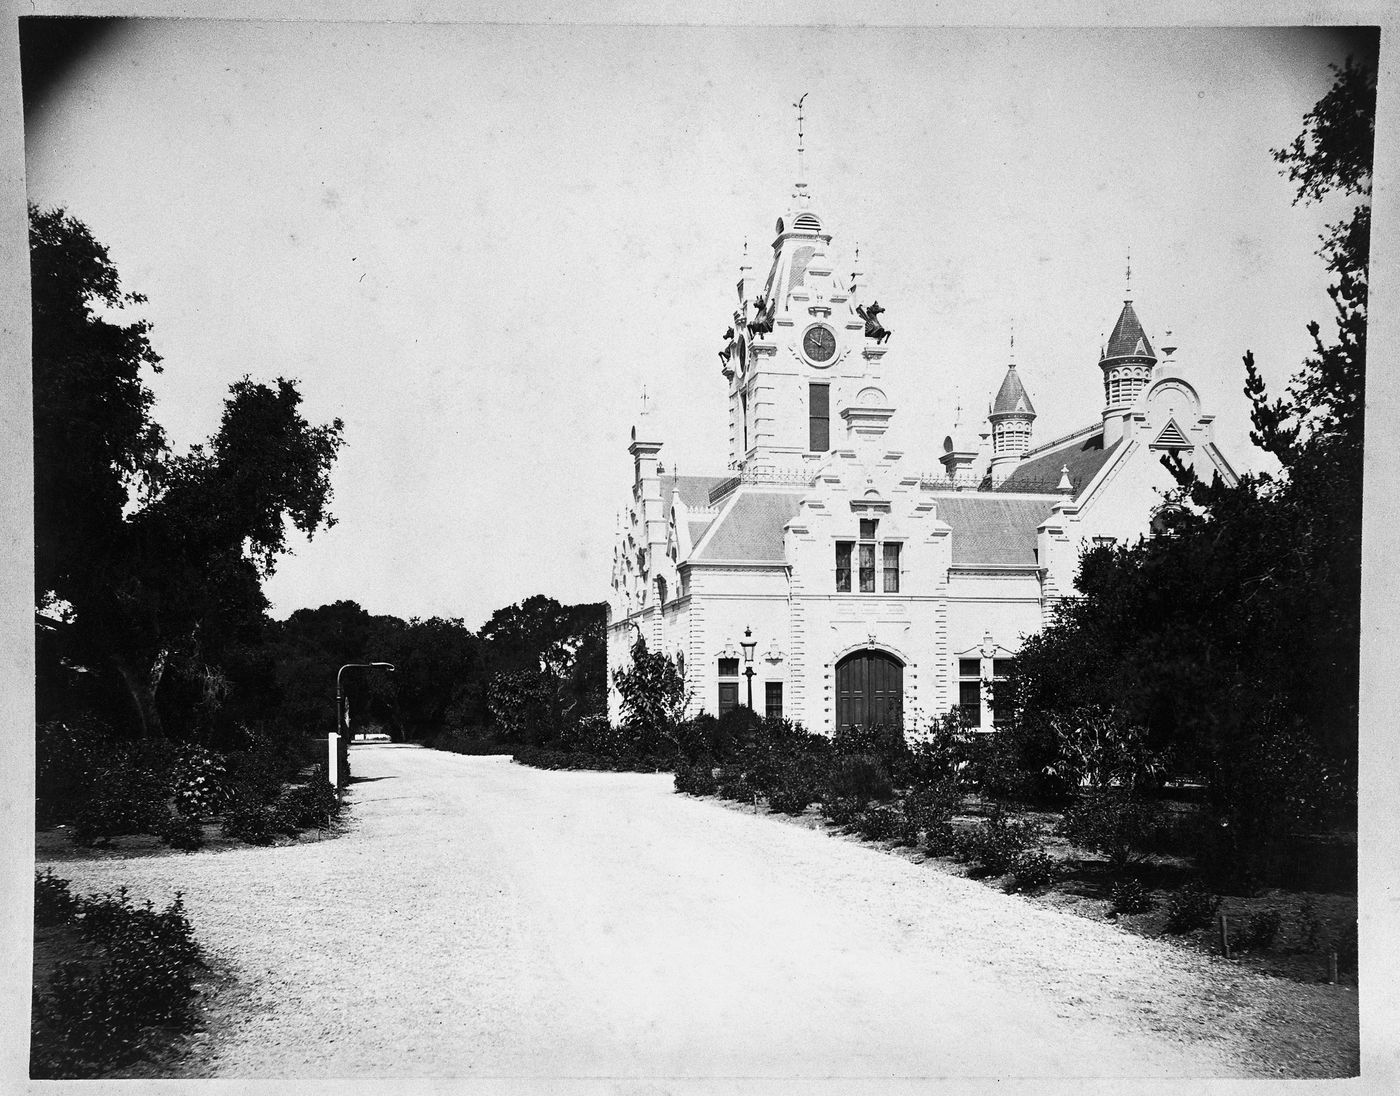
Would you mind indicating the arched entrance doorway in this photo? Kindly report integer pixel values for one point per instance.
(870, 691)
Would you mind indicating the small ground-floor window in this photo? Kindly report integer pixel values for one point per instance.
(728, 696)
(773, 699)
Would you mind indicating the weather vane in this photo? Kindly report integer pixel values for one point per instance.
(801, 169)
(1130, 272)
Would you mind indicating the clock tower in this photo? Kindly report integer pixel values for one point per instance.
(802, 345)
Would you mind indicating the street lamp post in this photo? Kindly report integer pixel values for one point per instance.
(340, 726)
(748, 643)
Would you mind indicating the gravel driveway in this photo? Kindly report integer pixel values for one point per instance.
(488, 920)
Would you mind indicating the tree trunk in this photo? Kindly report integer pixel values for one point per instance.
(141, 689)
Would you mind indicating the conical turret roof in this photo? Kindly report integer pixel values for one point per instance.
(1012, 398)
(1128, 339)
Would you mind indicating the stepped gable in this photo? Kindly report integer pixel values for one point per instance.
(694, 490)
(695, 494)
(993, 532)
(1083, 453)
(750, 527)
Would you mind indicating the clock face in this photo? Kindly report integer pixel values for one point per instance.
(819, 343)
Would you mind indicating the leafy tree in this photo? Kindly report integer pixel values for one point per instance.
(160, 556)
(94, 438)
(654, 697)
(1198, 635)
(545, 648)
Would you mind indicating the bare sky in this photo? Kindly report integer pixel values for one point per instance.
(476, 244)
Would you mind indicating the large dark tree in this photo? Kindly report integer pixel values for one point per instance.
(1234, 641)
(158, 557)
(94, 439)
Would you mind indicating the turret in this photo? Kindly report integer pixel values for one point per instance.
(1127, 362)
(1011, 416)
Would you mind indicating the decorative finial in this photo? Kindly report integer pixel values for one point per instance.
(801, 167)
(1013, 342)
(646, 410)
(1130, 274)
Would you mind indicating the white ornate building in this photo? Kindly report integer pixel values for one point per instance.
(865, 588)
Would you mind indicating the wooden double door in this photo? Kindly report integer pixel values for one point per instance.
(870, 691)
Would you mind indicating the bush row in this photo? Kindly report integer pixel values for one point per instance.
(168, 790)
(132, 972)
(541, 757)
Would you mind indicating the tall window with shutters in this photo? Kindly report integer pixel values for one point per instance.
(970, 691)
(773, 699)
(843, 566)
(891, 561)
(818, 417)
(876, 562)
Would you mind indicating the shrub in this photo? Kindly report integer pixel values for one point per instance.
(928, 807)
(858, 776)
(126, 799)
(1260, 930)
(1191, 907)
(258, 771)
(941, 839)
(696, 737)
(180, 832)
(137, 971)
(312, 805)
(841, 810)
(735, 730)
(250, 820)
(68, 755)
(792, 797)
(472, 741)
(1034, 870)
(939, 756)
(996, 845)
(54, 903)
(929, 804)
(697, 778)
(1130, 896)
(731, 782)
(995, 769)
(1113, 825)
(196, 783)
(878, 823)
(885, 744)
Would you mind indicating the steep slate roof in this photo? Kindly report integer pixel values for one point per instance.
(1012, 396)
(1082, 455)
(1128, 339)
(992, 532)
(751, 527)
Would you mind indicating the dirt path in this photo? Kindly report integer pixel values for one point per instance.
(484, 919)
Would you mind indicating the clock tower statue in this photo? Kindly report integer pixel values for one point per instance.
(802, 345)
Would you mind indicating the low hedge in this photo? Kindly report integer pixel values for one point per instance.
(128, 987)
(541, 757)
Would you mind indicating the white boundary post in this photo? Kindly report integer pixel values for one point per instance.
(333, 759)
